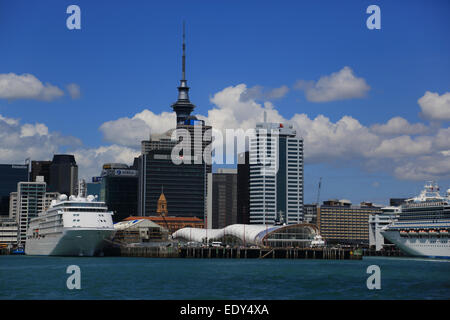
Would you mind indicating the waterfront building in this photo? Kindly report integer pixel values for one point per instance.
(30, 202)
(310, 213)
(379, 220)
(64, 174)
(8, 231)
(224, 198)
(139, 231)
(243, 188)
(10, 175)
(276, 175)
(273, 236)
(341, 223)
(119, 190)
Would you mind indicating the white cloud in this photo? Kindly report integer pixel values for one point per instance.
(18, 142)
(90, 160)
(434, 106)
(74, 90)
(337, 86)
(405, 150)
(29, 130)
(422, 168)
(261, 93)
(392, 147)
(403, 146)
(26, 86)
(398, 126)
(131, 131)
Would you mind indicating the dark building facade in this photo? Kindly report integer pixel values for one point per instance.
(10, 175)
(63, 174)
(243, 188)
(395, 202)
(119, 191)
(183, 185)
(224, 198)
(40, 168)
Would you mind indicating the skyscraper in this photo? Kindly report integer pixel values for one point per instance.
(30, 202)
(119, 190)
(224, 198)
(64, 174)
(184, 184)
(243, 188)
(10, 175)
(276, 175)
(40, 168)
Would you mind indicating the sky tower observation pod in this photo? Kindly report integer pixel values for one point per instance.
(279, 236)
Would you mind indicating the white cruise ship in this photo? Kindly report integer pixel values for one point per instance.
(77, 226)
(423, 225)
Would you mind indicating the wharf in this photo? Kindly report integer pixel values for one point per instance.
(239, 253)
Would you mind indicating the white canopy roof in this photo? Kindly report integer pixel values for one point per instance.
(251, 234)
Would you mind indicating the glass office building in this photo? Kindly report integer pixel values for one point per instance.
(10, 176)
(119, 191)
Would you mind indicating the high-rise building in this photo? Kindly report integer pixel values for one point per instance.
(119, 190)
(64, 174)
(30, 202)
(94, 187)
(310, 213)
(40, 168)
(184, 180)
(243, 188)
(276, 175)
(184, 184)
(224, 198)
(340, 222)
(10, 175)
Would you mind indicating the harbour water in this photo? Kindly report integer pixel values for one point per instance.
(28, 277)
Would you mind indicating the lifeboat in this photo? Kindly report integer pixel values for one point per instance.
(423, 233)
(433, 233)
(412, 233)
(443, 233)
(403, 233)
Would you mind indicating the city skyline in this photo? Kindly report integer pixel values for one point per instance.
(372, 106)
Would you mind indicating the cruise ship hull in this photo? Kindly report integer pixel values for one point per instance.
(70, 242)
(429, 247)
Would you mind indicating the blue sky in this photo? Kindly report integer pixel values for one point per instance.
(127, 58)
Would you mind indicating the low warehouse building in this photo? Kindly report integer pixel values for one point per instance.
(139, 230)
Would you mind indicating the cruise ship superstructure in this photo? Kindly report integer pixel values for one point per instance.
(423, 224)
(72, 226)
